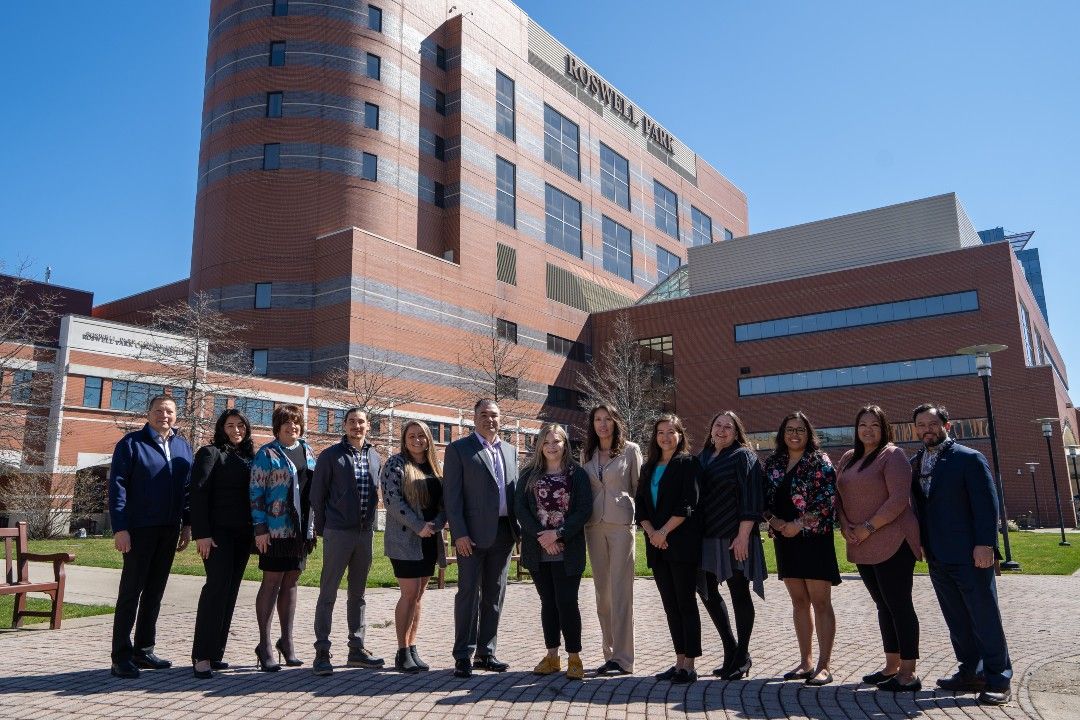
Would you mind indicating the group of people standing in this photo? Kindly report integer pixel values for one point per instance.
(701, 513)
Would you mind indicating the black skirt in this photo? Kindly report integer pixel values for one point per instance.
(411, 569)
(807, 557)
(285, 555)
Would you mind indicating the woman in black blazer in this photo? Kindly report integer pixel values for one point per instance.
(221, 526)
(666, 500)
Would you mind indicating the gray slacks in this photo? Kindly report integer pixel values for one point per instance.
(343, 549)
(480, 594)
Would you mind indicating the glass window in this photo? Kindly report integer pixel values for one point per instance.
(277, 54)
(562, 215)
(273, 104)
(432, 144)
(561, 142)
(505, 192)
(374, 67)
(91, 396)
(618, 249)
(504, 105)
(132, 396)
(506, 330)
(702, 227)
(22, 383)
(1025, 333)
(569, 348)
(561, 397)
(259, 361)
(728, 235)
(374, 18)
(371, 116)
(666, 263)
(440, 102)
(271, 156)
(371, 167)
(667, 210)
(440, 57)
(859, 375)
(281, 8)
(262, 295)
(221, 403)
(179, 396)
(614, 176)
(259, 412)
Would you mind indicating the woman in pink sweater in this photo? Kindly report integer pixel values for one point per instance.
(875, 513)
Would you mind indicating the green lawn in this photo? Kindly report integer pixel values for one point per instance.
(1037, 553)
(71, 610)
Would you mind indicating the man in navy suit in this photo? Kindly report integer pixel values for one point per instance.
(957, 505)
(479, 472)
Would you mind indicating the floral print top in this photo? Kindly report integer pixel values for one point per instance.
(552, 500)
(813, 489)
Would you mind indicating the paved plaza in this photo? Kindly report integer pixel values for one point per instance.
(64, 674)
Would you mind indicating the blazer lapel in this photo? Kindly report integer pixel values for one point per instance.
(939, 467)
(485, 457)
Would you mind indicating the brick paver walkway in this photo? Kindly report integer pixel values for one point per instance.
(65, 674)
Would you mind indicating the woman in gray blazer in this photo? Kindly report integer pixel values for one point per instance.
(413, 494)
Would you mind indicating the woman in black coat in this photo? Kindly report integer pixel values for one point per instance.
(221, 526)
(667, 499)
(552, 502)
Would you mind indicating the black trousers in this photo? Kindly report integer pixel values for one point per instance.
(889, 584)
(142, 583)
(480, 594)
(676, 582)
(224, 571)
(559, 605)
(737, 651)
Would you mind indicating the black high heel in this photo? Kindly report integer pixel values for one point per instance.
(264, 664)
(290, 660)
(738, 673)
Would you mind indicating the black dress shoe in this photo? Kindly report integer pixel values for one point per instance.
(668, 674)
(876, 678)
(125, 669)
(202, 674)
(959, 682)
(684, 677)
(739, 671)
(995, 697)
(462, 668)
(219, 665)
(894, 685)
(150, 661)
(798, 674)
(490, 663)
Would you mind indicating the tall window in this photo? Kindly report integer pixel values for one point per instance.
(504, 105)
(259, 412)
(259, 360)
(274, 104)
(505, 192)
(132, 396)
(1025, 333)
(271, 156)
(506, 330)
(666, 263)
(618, 249)
(562, 215)
(702, 234)
(374, 18)
(262, 295)
(374, 67)
(371, 167)
(614, 176)
(440, 102)
(432, 144)
(277, 54)
(22, 384)
(561, 142)
(91, 396)
(728, 235)
(281, 8)
(667, 210)
(440, 57)
(371, 116)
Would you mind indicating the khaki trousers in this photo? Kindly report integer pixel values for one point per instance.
(611, 553)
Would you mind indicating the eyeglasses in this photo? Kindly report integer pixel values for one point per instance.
(795, 431)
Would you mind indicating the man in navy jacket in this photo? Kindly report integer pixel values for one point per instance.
(148, 507)
(956, 501)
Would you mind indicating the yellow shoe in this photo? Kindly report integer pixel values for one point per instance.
(574, 668)
(548, 665)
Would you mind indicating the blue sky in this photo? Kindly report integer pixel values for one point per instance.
(814, 109)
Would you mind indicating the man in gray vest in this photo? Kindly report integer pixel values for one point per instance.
(479, 472)
(344, 500)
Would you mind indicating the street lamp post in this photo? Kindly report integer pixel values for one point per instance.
(1035, 489)
(1048, 431)
(982, 365)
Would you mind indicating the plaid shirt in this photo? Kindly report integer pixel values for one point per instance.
(364, 483)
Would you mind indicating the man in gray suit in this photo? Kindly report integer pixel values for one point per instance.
(479, 472)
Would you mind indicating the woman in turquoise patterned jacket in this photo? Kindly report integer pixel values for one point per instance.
(284, 528)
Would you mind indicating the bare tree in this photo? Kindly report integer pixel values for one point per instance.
(374, 384)
(630, 376)
(493, 364)
(41, 502)
(89, 494)
(204, 357)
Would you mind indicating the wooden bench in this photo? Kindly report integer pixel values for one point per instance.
(451, 558)
(17, 581)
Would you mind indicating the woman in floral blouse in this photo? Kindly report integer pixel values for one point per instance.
(553, 502)
(800, 497)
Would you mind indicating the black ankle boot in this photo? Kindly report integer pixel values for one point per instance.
(420, 664)
(403, 661)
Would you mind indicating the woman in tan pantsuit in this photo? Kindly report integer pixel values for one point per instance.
(613, 465)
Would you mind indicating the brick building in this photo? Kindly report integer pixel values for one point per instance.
(867, 308)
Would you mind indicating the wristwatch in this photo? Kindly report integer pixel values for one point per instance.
(559, 533)
(869, 527)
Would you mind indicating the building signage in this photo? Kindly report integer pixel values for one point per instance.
(617, 103)
(125, 341)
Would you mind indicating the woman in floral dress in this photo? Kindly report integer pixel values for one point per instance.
(800, 497)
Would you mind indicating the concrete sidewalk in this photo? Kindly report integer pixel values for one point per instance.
(64, 674)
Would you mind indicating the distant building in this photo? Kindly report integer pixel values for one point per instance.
(1028, 257)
